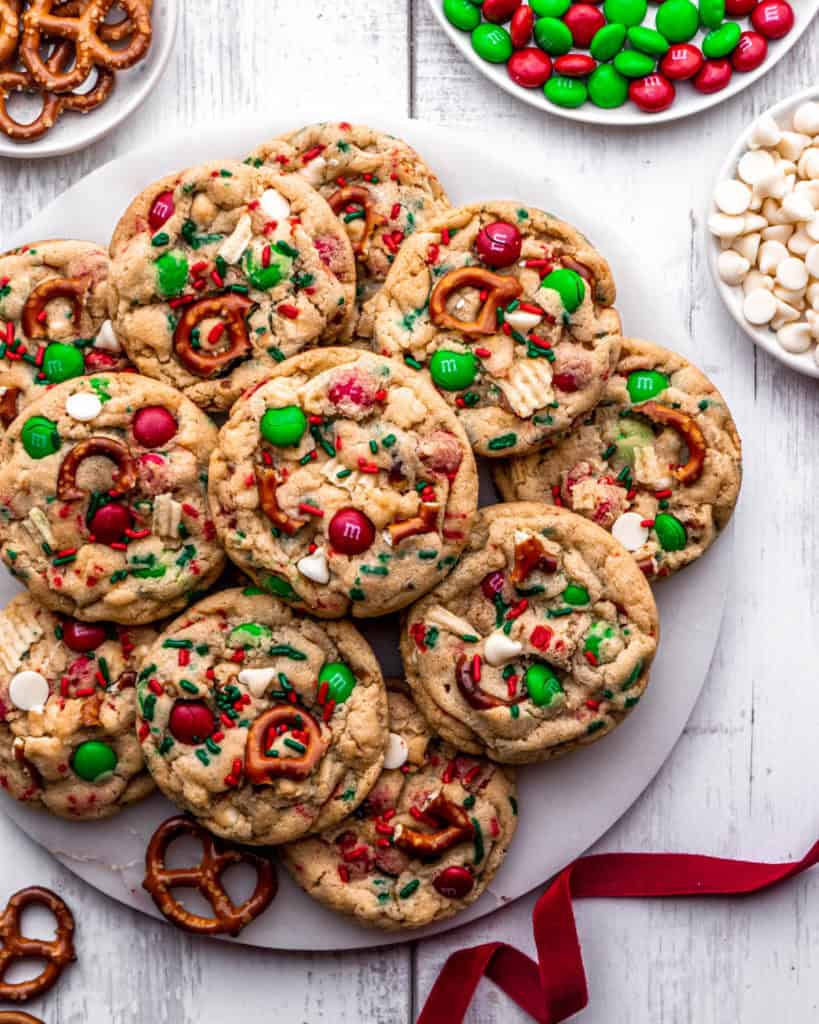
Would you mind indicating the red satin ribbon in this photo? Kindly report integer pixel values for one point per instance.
(554, 988)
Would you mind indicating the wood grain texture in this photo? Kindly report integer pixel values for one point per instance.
(739, 782)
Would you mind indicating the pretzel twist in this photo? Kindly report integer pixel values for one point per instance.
(125, 474)
(8, 404)
(111, 32)
(71, 288)
(530, 554)
(425, 522)
(58, 952)
(689, 431)
(360, 196)
(475, 696)
(500, 291)
(261, 770)
(430, 845)
(9, 29)
(206, 876)
(267, 481)
(232, 308)
(83, 31)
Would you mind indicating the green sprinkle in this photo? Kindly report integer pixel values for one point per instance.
(375, 570)
(389, 441)
(427, 554)
(178, 644)
(479, 850)
(409, 889)
(295, 745)
(595, 727)
(413, 363)
(166, 745)
(631, 701)
(188, 686)
(556, 613)
(504, 441)
(160, 239)
(374, 446)
(607, 454)
(342, 474)
(212, 746)
(286, 250)
(286, 651)
(469, 801)
(514, 711)
(203, 757)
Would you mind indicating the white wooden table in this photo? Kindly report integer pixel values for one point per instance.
(740, 782)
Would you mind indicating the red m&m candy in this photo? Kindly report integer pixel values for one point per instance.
(162, 209)
(154, 426)
(492, 584)
(751, 51)
(499, 11)
(652, 93)
(109, 523)
(83, 636)
(454, 882)
(773, 18)
(682, 61)
(583, 21)
(520, 30)
(499, 244)
(739, 8)
(530, 67)
(575, 65)
(350, 532)
(715, 75)
(191, 722)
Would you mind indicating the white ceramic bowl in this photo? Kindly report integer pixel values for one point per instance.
(764, 337)
(76, 131)
(688, 100)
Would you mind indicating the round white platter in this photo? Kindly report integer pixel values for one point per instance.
(688, 101)
(565, 806)
(764, 337)
(132, 88)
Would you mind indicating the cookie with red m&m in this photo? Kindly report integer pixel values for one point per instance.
(509, 311)
(53, 319)
(103, 499)
(263, 724)
(379, 187)
(67, 711)
(343, 484)
(658, 463)
(425, 843)
(220, 272)
(540, 640)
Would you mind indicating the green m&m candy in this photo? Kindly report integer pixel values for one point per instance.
(607, 87)
(171, 272)
(647, 40)
(645, 384)
(722, 40)
(550, 8)
(94, 761)
(670, 532)
(283, 427)
(712, 13)
(607, 41)
(279, 265)
(462, 14)
(625, 12)
(453, 371)
(565, 92)
(492, 42)
(279, 587)
(575, 595)
(678, 20)
(569, 285)
(249, 634)
(634, 433)
(340, 680)
(553, 36)
(61, 362)
(542, 684)
(634, 64)
(40, 437)
(597, 635)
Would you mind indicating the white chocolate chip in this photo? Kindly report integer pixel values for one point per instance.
(314, 171)
(765, 132)
(755, 280)
(791, 144)
(809, 189)
(771, 255)
(770, 211)
(314, 567)
(732, 197)
(806, 118)
(809, 163)
(812, 318)
(499, 648)
(723, 226)
(519, 320)
(785, 314)
(28, 690)
(812, 261)
(800, 243)
(273, 205)
(777, 233)
(396, 753)
(732, 267)
(812, 295)
(795, 337)
(748, 247)
(795, 298)
(83, 406)
(770, 184)
(795, 207)
(812, 228)
(106, 339)
(753, 222)
(759, 307)
(257, 680)
(754, 165)
(628, 529)
(235, 244)
(792, 274)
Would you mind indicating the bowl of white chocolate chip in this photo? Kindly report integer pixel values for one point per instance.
(763, 218)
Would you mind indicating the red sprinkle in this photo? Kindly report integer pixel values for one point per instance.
(291, 312)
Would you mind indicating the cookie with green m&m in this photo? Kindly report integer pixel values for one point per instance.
(426, 842)
(263, 724)
(220, 272)
(343, 484)
(658, 463)
(53, 319)
(509, 312)
(67, 710)
(540, 640)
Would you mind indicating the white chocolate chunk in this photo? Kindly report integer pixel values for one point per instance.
(314, 171)
(809, 189)
(771, 255)
(273, 205)
(791, 144)
(257, 680)
(759, 307)
(628, 529)
(732, 267)
(796, 207)
(812, 261)
(18, 633)
(499, 648)
(785, 314)
(520, 320)
(809, 163)
(770, 210)
(754, 165)
(765, 132)
(806, 118)
(792, 274)
(314, 567)
(777, 233)
(396, 753)
(83, 406)
(748, 247)
(795, 337)
(732, 197)
(167, 516)
(528, 386)
(723, 226)
(771, 184)
(812, 295)
(755, 280)
(753, 222)
(106, 339)
(28, 690)
(356, 479)
(37, 526)
(235, 244)
(812, 318)
(793, 298)
(812, 228)
(800, 243)
(443, 619)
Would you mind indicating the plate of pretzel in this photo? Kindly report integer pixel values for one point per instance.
(72, 70)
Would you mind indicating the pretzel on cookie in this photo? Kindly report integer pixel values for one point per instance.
(457, 828)
(267, 481)
(206, 876)
(261, 767)
(689, 431)
(125, 475)
(468, 682)
(425, 522)
(499, 290)
(232, 309)
(357, 195)
(57, 953)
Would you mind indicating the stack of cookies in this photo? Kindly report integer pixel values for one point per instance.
(359, 342)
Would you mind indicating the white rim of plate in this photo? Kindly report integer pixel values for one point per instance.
(628, 115)
(731, 295)
(73, 133)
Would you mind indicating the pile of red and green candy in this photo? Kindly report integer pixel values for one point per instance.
(604, 53)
